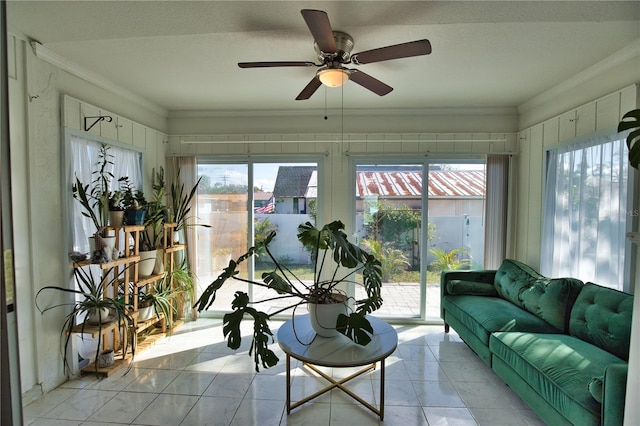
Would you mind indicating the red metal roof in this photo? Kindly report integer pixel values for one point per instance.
(442, 183)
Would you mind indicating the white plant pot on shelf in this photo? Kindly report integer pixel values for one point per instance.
(147, 262)
(145, 313)
(98, 316)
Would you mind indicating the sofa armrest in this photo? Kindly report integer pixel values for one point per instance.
(613, 394)
(480, 276)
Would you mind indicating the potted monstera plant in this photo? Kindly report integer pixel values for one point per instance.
(331, 250)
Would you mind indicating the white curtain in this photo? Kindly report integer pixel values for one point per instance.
(586, 211)
(495, 239)
(84, 156)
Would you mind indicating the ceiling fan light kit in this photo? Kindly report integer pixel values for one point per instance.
(334, 51)
(333, 77)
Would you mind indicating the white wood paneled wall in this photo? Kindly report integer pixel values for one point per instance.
(151, 142)
(599, 115)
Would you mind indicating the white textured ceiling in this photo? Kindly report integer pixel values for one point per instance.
(182, 55)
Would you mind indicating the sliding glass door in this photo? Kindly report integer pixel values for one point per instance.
(243, 203)
(420, 219)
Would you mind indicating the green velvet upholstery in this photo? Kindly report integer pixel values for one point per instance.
(549, 299)
(602, 316)
(485, 315)
(561, 345)
(470, 287)
(558, 367)
(613, 394)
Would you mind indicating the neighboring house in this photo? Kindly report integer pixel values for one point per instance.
(450, 192)
(291, 187)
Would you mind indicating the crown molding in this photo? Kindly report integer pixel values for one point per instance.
(63, 63)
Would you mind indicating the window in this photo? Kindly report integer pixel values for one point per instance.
(83, 158)
(585, 216)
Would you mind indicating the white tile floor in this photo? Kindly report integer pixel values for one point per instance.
(192, 378)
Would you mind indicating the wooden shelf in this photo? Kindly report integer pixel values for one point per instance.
(148, 280)
(175, 248)
(143, 325)
(107, 371)
(107, 265)
(94, 329)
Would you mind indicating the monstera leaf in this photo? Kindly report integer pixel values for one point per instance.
(631, 121)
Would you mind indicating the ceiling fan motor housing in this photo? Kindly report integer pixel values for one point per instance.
(344, 46)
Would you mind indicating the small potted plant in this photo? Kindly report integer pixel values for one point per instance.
(91, 307)
(116, 208)
(160, 299)
(329, 245)
(94, 199)
(133, 202)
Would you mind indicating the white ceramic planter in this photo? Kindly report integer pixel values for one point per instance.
(98, 315)
(147, 263)
(324, 316)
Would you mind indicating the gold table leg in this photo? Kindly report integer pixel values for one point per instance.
(337, 384)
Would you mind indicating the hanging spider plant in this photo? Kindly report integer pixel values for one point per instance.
(90, 299)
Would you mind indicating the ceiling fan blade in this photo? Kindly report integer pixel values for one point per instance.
(309, 90)
(318, 23)
(275, 64)
(368, 82)
(397, 51)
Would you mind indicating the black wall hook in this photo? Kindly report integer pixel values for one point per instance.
(96, 120)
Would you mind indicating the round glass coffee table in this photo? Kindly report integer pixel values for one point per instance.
(338, 352)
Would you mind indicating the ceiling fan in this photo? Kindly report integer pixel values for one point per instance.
(334, 52)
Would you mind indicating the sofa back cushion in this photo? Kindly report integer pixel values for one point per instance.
(602, 316)
(548, 298)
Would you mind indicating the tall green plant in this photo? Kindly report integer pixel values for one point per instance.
(157, 213)
(181, 202)
(94, 196)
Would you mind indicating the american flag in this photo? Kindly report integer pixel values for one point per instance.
(270, 207)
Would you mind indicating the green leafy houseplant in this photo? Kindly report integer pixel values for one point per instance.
(631, 121)
(161, 297)
(181, 203)
(157, 214)
(89, 300)
(94, 197)
(331, 246)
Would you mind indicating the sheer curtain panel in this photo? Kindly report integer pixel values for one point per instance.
(497, 185)
(84, 156)
(585, 215)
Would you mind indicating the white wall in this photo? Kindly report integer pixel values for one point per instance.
(36, 98)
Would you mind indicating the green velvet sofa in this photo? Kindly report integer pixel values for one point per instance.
(560, 344)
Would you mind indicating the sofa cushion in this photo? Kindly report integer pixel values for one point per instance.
(558, 367)
(602, 316)
(470, 287)
(484, 314)
(548, 298)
